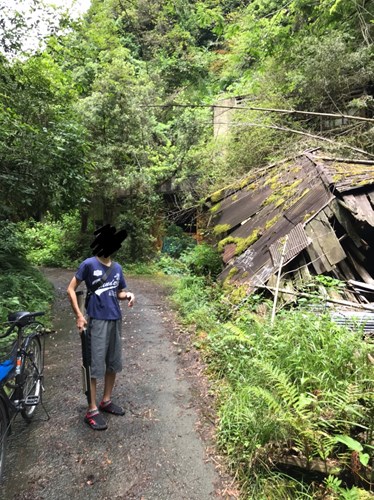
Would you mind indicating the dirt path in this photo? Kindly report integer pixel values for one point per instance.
(154, 452)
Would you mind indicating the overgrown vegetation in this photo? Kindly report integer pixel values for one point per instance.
(111, 121)
(298, 392)
(55, 243)
(22, 287)
(118, 103)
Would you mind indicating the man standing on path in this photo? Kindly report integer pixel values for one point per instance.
(104, 323)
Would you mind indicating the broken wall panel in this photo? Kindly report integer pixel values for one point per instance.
(327, 240)
(346, 220)
(360, 206)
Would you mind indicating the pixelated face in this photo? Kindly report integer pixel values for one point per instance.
(107, 240)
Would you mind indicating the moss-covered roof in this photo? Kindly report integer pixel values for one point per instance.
(251, 215)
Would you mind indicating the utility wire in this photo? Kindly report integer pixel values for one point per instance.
(255, 108)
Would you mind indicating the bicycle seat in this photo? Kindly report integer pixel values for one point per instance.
(23, 318)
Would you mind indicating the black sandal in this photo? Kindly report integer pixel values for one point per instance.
(96, 421)
(112, 408)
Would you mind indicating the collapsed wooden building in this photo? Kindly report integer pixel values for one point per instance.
(308, 215)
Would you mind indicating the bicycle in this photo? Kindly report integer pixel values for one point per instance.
(21, 374)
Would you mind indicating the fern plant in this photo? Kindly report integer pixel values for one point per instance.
(295, 411)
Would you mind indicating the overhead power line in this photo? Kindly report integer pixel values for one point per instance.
(267, 110)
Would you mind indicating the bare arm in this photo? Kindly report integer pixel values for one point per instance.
(123, 295)
(81, 320)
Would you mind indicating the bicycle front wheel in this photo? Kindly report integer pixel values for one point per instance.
(32, 374)
(3, 437)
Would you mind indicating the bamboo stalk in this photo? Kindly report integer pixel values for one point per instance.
(299, 132)
(327, 299)
(278, 280)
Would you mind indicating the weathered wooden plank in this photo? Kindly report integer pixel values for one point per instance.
(325, 239)
(361, 271)
(286, 284)
(345, 219)
(327, 299)
(350, 202)
(365, 211)
(328, 240)
(328, 211)
(316, 254)
(363, 286)
(343, 272)
(346, 271)
(361, 207)
(302, 274)
(371, 197)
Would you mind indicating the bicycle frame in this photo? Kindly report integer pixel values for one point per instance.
(27, 364)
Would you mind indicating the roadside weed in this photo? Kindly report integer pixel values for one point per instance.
(300, 390)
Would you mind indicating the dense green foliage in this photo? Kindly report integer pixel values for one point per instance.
(300, 388)
(22, 287)
(111, 120)
(92, 121)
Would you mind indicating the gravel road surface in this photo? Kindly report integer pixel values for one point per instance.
(161, 448)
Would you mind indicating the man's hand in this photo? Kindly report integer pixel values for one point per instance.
(130, 298)
(127, 296)
(81, 323)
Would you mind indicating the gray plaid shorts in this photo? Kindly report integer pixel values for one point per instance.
(106, 346)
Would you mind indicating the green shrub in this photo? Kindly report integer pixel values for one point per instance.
(22, 287)
(170, 265)
(56, 243)
(303, 384)
(193, 298)
(203, 260)
(176, 242)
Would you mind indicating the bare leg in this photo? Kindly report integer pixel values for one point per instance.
(108, 385)
(93, 406)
